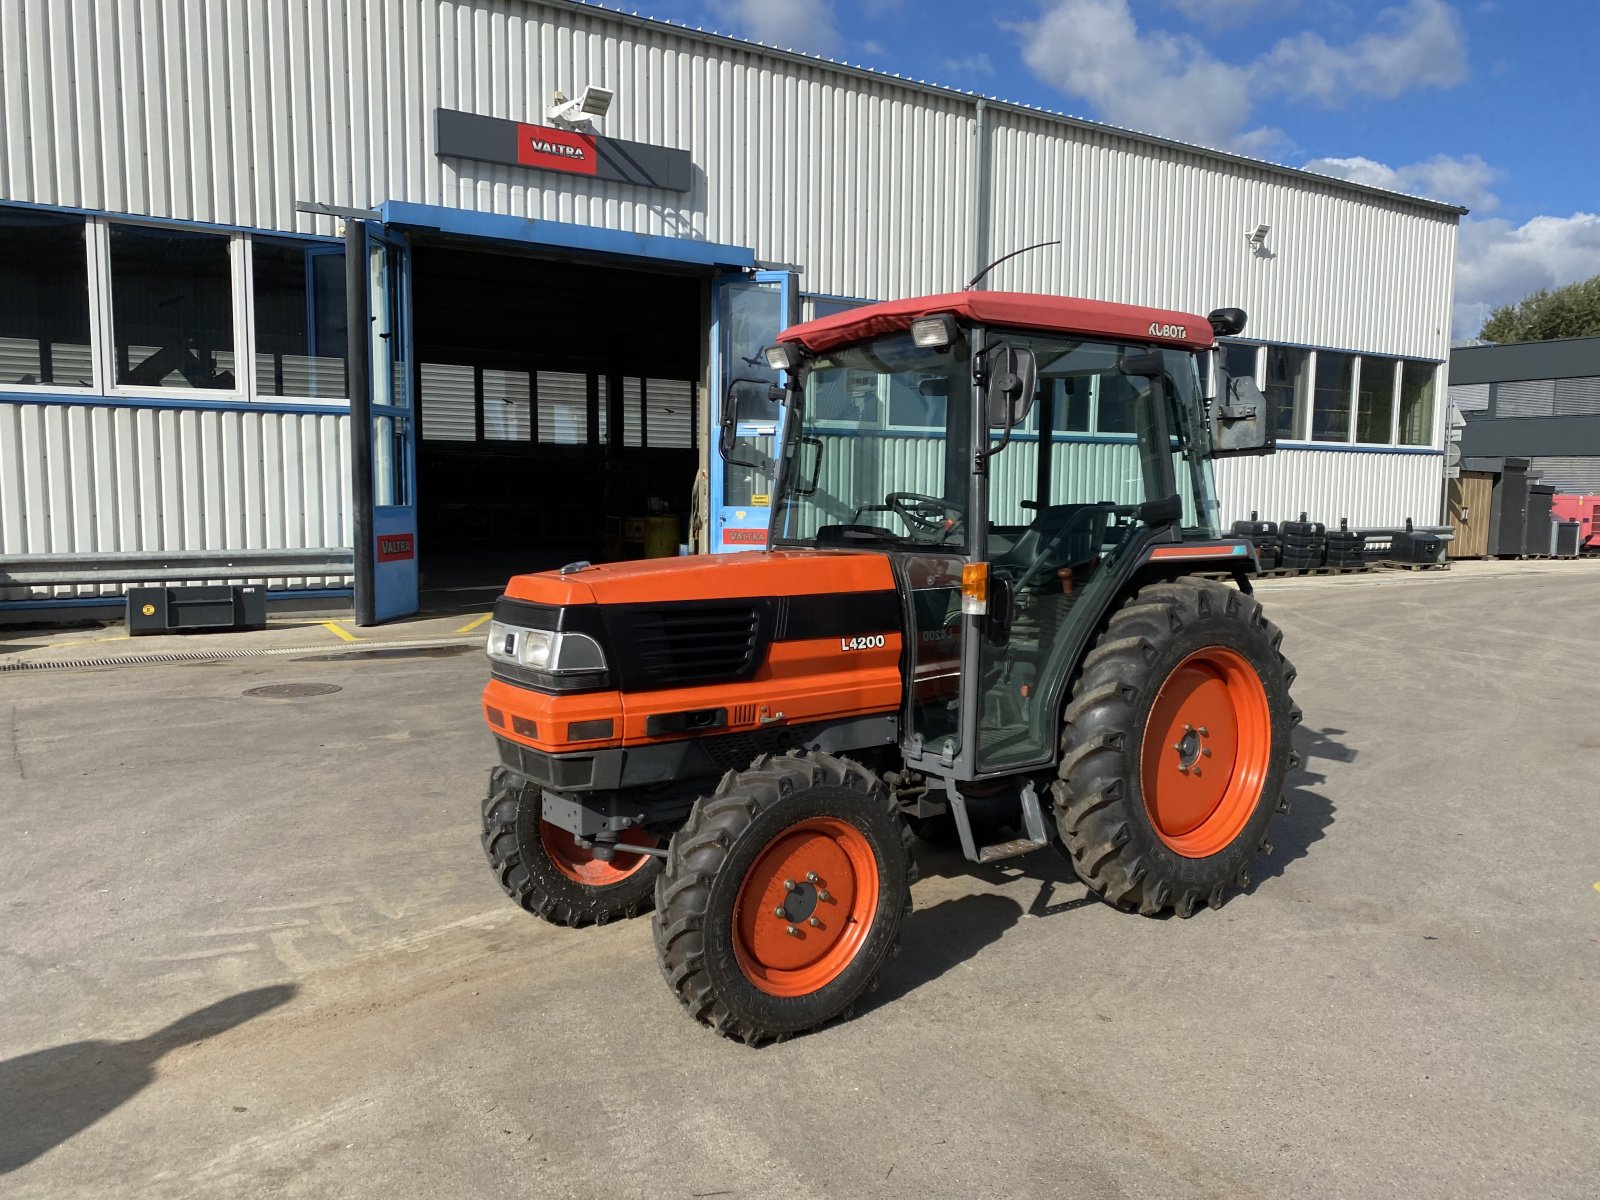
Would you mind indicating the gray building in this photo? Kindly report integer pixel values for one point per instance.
(549, 299)
(1533, 400)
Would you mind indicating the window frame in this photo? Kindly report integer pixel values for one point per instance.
(97, 314)
(248, 316)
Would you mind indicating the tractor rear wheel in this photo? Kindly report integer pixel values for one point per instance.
(782, 896)
(542, 867)
(1176, 747)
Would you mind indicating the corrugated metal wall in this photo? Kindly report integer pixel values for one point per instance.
(1371, 489)
(81, 479)
(232, 112)
(1168, 229)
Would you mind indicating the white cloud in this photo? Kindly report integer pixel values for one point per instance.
(1464, 181)
(1498, 263)
(807, 25)
(1418, 45)
(1216, 14)
(973, 64)
(1159, 82)
(1171, 84)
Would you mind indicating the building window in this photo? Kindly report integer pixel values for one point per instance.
(1375, 400)
(171, 308)
(44, 300)
(1116, 411)
(563, 408)
(449, 393)
(299, 318)
(669, 414)
(1416, 403)
(507, 406)
(1330, 404)
(1289, 382)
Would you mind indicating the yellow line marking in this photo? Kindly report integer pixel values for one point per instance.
(345, 634)
(471, 625)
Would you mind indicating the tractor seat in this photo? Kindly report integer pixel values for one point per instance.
(1066, 532)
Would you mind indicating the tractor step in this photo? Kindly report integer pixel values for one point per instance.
(1033, 819)
(1016, 846)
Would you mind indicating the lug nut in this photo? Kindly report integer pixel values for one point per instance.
(811, 877)
(814, 923)
(788, 885)
(1205, 751)
(1178, 746)
(1197, 772)
(1203, 731)
(792, 931)
(823, 895)
(778, 912)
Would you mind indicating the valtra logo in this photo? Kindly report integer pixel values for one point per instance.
(556, 150)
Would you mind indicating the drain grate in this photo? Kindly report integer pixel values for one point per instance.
(157, 658)
(292, 691)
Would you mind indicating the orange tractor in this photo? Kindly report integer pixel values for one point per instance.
(995, 603)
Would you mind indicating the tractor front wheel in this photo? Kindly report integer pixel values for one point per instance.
(542, 867)
(1176, 748)
(782, 896)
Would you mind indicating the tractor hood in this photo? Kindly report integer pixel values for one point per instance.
(753, 575)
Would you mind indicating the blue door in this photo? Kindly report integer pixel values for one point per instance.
(748, 313)
(393, 427)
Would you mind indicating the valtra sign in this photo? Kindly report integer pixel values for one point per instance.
(518, 144)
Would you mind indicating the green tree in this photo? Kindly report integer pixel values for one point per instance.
(1571, 311)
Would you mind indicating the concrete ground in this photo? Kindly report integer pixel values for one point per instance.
(250, 948)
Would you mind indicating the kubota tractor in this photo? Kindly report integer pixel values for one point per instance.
(994, 600)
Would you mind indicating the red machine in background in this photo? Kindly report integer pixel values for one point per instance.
(1586, 511)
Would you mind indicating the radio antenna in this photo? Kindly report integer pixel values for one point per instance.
(976, 279)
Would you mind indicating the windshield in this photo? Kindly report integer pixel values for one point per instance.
(884, 433)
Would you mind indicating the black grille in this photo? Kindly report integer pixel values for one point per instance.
(665, 647)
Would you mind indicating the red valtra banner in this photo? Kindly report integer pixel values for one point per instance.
(556, 150)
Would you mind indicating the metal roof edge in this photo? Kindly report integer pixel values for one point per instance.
(745, 45)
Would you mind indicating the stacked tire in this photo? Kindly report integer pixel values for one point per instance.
(1305, 544)
(1263, 535)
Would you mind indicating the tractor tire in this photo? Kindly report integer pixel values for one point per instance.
(828, 827)
(544, 870)
(1175, 748)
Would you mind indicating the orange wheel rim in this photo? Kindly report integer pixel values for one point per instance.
(581, 866)
(805, 907)
(1207, 747)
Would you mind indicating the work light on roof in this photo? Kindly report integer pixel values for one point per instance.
(934, 333)
(785, 356)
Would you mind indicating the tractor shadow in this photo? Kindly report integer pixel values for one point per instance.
(52, 1095)
(1310, 812)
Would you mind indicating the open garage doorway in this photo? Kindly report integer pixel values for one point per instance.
(559, 406)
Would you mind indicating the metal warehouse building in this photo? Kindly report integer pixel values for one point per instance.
(545, 312)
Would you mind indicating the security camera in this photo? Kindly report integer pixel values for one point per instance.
(580, 114)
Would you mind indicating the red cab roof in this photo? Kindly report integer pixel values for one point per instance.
(1024, 310)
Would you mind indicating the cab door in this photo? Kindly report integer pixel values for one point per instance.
(748, 313)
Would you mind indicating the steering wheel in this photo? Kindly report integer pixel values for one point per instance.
(926, 514)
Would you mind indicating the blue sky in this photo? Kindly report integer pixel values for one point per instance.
(1492, 104)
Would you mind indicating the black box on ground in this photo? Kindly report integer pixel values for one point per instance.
(185, 609)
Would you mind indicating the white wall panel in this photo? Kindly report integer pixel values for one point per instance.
(87, 479)
(1371, 489)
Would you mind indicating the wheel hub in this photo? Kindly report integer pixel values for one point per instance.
(1207, 746)
(804, 907)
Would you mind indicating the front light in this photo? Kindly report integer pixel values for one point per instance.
(543, 650)
(785, 356)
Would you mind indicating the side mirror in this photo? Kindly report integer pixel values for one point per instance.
(1013, 378)
(728, 421)
(1243, 420)
(810, 472)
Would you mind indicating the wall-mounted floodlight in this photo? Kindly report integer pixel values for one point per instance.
(592, 103)
(1257, 237)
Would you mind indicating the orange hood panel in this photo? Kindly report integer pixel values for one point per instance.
(710, 577)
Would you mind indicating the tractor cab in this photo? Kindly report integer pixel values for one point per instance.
(1022, 460)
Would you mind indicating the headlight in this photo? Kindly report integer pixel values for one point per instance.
(543, 650)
